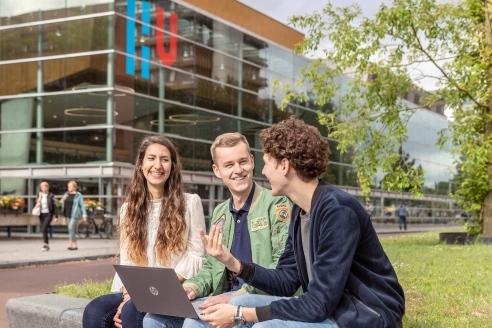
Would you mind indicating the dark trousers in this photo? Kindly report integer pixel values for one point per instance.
(100, 311)
(45, 221)
(402, 220)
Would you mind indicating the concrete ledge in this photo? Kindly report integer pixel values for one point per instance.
(45, 311)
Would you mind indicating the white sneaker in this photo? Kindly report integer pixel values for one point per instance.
(45, 248)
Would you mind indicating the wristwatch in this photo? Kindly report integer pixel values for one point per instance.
(238, 316)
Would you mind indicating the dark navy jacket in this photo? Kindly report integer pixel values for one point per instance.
(353, 282)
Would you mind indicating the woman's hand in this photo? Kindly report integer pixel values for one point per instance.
(219, 316)
(117, 317)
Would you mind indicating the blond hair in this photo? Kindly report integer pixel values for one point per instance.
(228, 140)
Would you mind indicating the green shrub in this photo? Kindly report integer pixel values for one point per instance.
(88, 289)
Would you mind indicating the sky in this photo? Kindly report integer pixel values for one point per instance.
(281, 10)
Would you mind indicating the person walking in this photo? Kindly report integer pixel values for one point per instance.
(47, 204)
(402, 216)
(332, 252)
(369, 208)
(254, 223)
(159, 227)
(73, 208)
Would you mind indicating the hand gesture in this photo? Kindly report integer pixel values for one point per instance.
(213, 244)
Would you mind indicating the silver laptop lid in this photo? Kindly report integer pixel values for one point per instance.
(156, 290)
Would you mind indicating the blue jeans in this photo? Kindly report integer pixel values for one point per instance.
(248, 300)
(72, 225)
(100, 311)
(402, 221)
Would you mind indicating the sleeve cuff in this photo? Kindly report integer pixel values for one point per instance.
(247, 272)
(263, 313)
(194, 287)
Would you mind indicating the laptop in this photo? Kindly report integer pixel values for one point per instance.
(157, 290)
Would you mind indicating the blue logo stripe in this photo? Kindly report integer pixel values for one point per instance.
(145, 49)
(146, 17)
(130, 38)
(145, 62)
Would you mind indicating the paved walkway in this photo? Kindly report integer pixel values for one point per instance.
(24, 249)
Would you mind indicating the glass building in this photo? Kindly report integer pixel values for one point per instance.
(82, 81)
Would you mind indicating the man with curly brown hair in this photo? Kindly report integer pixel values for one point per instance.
(333, 252)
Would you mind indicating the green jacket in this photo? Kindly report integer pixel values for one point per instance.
(268, 225)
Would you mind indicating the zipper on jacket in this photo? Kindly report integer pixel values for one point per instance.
(294, 242)
(364, 305)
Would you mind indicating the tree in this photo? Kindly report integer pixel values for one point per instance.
(404, 167)
(386, 56)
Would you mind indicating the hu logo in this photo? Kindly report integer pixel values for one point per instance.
(153, 291)
(166, 57)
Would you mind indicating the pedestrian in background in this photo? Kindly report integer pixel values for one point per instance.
(73, 208)
(47, 204)
(402, 216)
(369, 208)
(159, 227)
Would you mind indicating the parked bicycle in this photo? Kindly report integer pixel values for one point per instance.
(90, 227)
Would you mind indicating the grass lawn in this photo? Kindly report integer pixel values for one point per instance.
(445, 285)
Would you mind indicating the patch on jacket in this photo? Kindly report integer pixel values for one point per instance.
(283, 212)
(259, 223)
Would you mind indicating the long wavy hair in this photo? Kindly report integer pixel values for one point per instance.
(172, 224)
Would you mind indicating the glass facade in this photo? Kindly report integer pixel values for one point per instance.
(82, 81)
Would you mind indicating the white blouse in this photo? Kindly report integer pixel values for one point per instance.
(186, 264)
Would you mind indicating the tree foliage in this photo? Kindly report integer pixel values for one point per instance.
(387, 55)
(404, 166)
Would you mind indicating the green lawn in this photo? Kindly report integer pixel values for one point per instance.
(445, 285)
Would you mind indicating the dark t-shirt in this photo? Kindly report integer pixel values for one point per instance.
(68, 204)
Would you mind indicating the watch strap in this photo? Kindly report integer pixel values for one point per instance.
(238, 316)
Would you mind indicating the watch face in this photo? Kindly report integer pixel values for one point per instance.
(239, 321)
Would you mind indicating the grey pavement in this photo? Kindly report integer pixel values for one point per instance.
(24, 249)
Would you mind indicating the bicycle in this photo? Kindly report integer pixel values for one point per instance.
(88, 228)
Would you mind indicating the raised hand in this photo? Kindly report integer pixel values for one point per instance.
(213, 244)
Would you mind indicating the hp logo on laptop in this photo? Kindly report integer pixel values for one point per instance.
(153, 291)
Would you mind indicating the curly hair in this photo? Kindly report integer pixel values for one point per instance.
(172, 225)
(300, 143)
